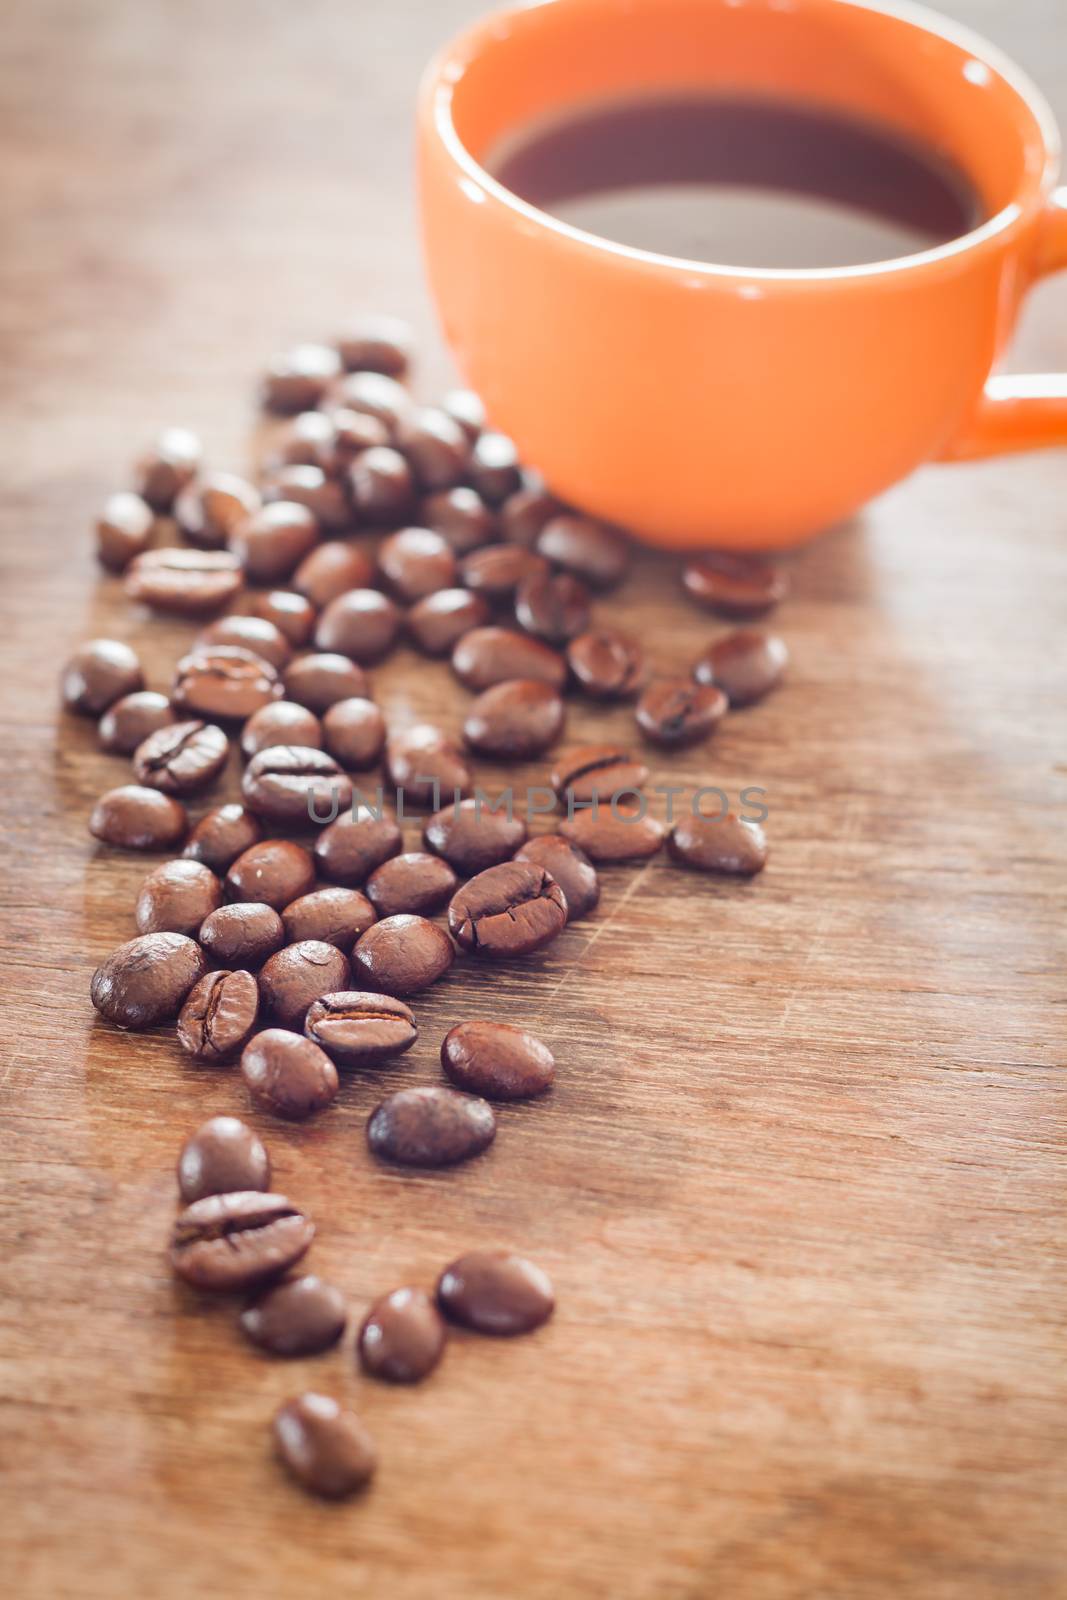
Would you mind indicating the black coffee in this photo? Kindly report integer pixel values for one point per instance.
(749, 183)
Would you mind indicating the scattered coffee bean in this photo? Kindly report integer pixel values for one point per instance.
(401, 955)
(719, 844)
(586, 548)
(403, 1337)
(430, 1127)
(221, 836)
(225, 681)
(186, 583)
(176, 897)
(493, 468)
(362, 624)
(497, 1060)
(297, 379)
(146, 980)
(613, 834)
(415, 882)
(292, 613)
(301, 973)
(308, 440)
(181, 757)
(234, 1241)
(310, 487)
(334, 916)
(123, 530)
(295, 784)
(351, 432)
(382, 486)
(416, 562)
(360, 1029)
(242, 935)
(354, 733)
(509, 910)
(571, 868)
(288, 1075)
(734, 585)
(320, 680)
(99, 673)
(745, 665)
(331, 570)
(591, 772)
(470, 836)
(466, 408)
(350, 848)
(461, 516)
(272, 872)
(491, 655)
(130, 720)
(607, 664)
(223, 1156)
(326, 1449)
(437, 623)
(134, 818)
(377, 344)
(436, 447)
(299, 1317)
(514, 720)
(676, 711)
(272, 542)
(376, 394)
(425, 767)
(163, 472)
(553, 607)
(280, 722)
(216, 1021)
(524, 514)
(210, 511)
(498, 570)
(493, 1291)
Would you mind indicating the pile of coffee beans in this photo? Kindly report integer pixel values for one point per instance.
(291, 931)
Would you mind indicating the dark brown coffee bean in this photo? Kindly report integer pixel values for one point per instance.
(719, 844)
(382, 486)
(416, 562)
(301, 973)
(461, 516)
(553, 607)
(676, 711)
(223, 1156)
(288, 1075)
(354, 732)
(350, 848)
(586, 548)
(318, 681)
(181, 758)
(295, 784)
(571, 868)
(524, 514)
(361, 624)
(353, 432)
(375, 393)
(745, 665)
(506, 911)
(216, 1021)
(99, 673)
(146, 980)
(497, 1060)
(221, 836)
(326, 498)
(734, 585)
(430, 1127)
(225, 681)
(596, 771)
(134, 818)
(415, 882)
(487, 656)
(186, 583)
(280, 722)
(403, 1337)
(300, 1317)
(493, 1291)
(326, 1449)
(436, 447)
(242, 935)
(466, 408)
(376, 343)
(472, 836)
(401, 955)
(274, 541)
(308, 440)
(123, 530)
(494, 468)
(210, 511)
(228, 1242)
(425, 767)
(608, 665)
(331, 570)
(334, 916)
(297, 379)
(360, 1029)
(176, 897)
(620, 835)
(273, 872)
(130, 720)
(291, 613)
(498, 570)
(437, 623)
(164, 470)
(515, 720)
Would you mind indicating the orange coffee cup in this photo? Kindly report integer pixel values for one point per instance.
(697, 404)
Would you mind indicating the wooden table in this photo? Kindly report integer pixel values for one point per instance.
(800, 1184)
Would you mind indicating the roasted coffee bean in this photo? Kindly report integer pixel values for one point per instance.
(596, 771)
(461, 516)
(228, 1242)
(609, 834)
(274, 541)
(719, 844)
(164, 470)
(351, 432)
(416, 562)
(497, 1060)
(221, 836)
(186, 583)
(331, 570)
(130, 720)
(242, 935)
(292, 613)
(381, 485)
(401, 955)
(586, 548)
(425, 767)
(350, 848)
(375, 393)
(301, 973)
(514, 720)
(310, 487)
(326, 1449)
(430, 1127)
(436, 447)
(466, 408)
(360, 1029)
(491, 655)
(376, 343)
(553, 607)
(308, 440)
(415, 882)
(676, 711)
(318, 681)
(135, 818)
(524, 514)
(493, 1291)
(300, 1317)
(176, 897)
(210, 510)
(734, 585)
(123, 530)
(297, 379)
(295, 784)
(571, 868)
(354, 733)
(182, 757)
(273, 872)
(403, 1337)
(223, 1156)
(499, 570)
(99, 673)
(146, 980)
(225, 681)
(493, 468)
(362, 624)
(288, 1074)
(745, 665)
(471, 836)
(437, 623)
(608, 665)
(505, 911)
(334, 916)
(280, 722)
(217, 1021)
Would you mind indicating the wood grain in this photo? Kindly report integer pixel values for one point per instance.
(800, 1184)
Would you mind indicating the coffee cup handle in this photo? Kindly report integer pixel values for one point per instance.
(1023, 411)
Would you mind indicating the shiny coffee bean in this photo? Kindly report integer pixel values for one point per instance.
(375, 343)
(727, 845)
(308, 440)
(280, 722)
(99, 673)
(416, 562)
(217, 1021)
(295, 784)
(734, 585)
(745, 665)
(273, 541)
(225, 681)
(185, 583)
(586, 548)
(493, 1291)
(553, 607)
(318, 681)
(497, 1060)
(437, 623)
(509, 910)
(425, 767)
(146, 980)
(376, 394)
(326, 1449)
(123, 530)
(461, 516)
(596, 771)
(470, 836)
(135, 818)
(176, 897)
(401, 955)
(493, 468)
(242, 935)
(491, 655)
(234, 1241)
(299, 1317)
(430, 1127)
(361, 624)
(515, 720)
(130, 720)
(359, 1029)
(353, 432)
(334, 916)
(164, 470)
(297, 379)
(250, 633)
(350, 848)
(524, 514)
(310, 487)
(571, 868)
(402, 1338)
(415, 882)
(291, 613)
(607, 664)
(498, 570)
(435, 446)
(382, 486)
(210, 510)
(674, 712)
(273, 872)
(221, 835)
(613, 836)
(181, 758)
(299, 974)
(288, 1075)
(331, 570)
(354, 733)
(223, 1156)
(466, 408)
